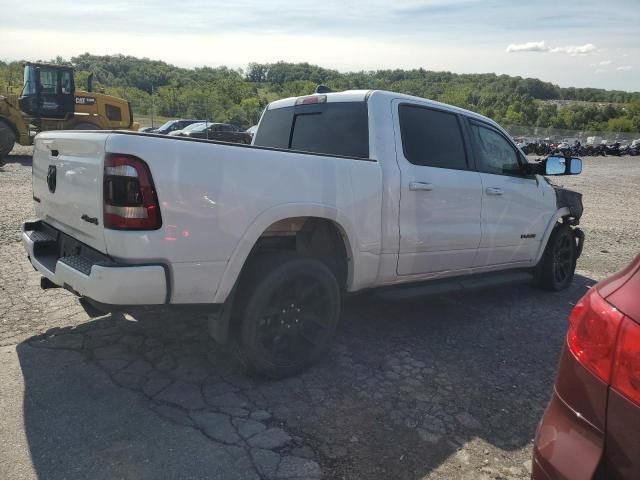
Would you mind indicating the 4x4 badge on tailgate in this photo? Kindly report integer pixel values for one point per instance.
(51, 178)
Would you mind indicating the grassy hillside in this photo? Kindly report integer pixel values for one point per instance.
(237, 96)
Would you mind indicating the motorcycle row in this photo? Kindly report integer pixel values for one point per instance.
(578, 150)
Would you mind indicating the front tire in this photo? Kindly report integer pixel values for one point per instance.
(290, 314)
(558, 263)
(7, 139)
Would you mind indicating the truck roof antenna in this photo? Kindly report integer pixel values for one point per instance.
(322, 89)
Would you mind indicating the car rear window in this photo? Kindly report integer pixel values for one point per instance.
(338, 128)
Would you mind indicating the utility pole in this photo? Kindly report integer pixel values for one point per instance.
(153, 107)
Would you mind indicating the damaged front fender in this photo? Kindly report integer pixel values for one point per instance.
(571, 200)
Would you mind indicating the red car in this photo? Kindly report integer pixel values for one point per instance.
(591, 428)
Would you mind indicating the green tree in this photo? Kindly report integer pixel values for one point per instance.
(230, 95)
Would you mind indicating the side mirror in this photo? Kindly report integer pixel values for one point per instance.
(576, 166)
(557, 165)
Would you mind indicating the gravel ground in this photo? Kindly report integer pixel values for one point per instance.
(417, 385)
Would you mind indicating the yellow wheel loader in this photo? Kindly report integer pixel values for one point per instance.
(49, 101)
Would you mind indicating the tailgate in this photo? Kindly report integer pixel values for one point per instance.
(67, 183)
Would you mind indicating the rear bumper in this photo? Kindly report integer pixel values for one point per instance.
(566, 446)
(91, 274)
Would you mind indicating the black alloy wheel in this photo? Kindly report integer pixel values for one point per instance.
(291, 313)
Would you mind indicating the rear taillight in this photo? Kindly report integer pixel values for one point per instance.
(626, 369)
(607, 343)
(593, 332)
(130, 200)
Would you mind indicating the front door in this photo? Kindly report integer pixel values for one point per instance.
(515, 211)
(440, 203)
(56, 92)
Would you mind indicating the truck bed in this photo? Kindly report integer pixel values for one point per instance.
(215, 199)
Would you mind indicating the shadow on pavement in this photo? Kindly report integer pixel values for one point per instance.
(410, 380)
(24, 160)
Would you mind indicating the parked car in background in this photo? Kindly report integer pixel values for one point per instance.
(591, 428)
(146, 129)
(252, 130)
(174, 125)
(222, 132)
(176, 133)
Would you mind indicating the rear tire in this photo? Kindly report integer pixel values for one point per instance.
(7, 139)
(289, 309)
(557, 266)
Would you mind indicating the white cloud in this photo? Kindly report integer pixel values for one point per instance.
(603, 63)
(575, 49)
(527, 47)
(541, 47)
(625, 68)
(600, 70)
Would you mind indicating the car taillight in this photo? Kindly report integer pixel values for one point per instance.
(130, 200)
(593, 332)
(626, 369)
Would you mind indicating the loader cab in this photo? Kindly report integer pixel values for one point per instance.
(48, 91)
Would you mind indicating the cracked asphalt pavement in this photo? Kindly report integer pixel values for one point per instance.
(440, 382)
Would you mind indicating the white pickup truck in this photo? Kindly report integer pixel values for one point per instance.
(339, 192)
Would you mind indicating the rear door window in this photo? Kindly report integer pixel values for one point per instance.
(432, 138)
(338, 128)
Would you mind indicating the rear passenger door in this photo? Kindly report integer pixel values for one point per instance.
(515, 211)
(441, 193)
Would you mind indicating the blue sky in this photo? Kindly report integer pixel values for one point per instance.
(567, 42)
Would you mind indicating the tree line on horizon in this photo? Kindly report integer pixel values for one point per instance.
(239, 96)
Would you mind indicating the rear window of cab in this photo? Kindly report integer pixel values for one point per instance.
(335, 128)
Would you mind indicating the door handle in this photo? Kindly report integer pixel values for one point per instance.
(420, 187)
(494, 191)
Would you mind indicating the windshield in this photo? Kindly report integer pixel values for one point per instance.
(197, 127)
(167, 125)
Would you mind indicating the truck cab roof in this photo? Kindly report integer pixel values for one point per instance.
(375, 96)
